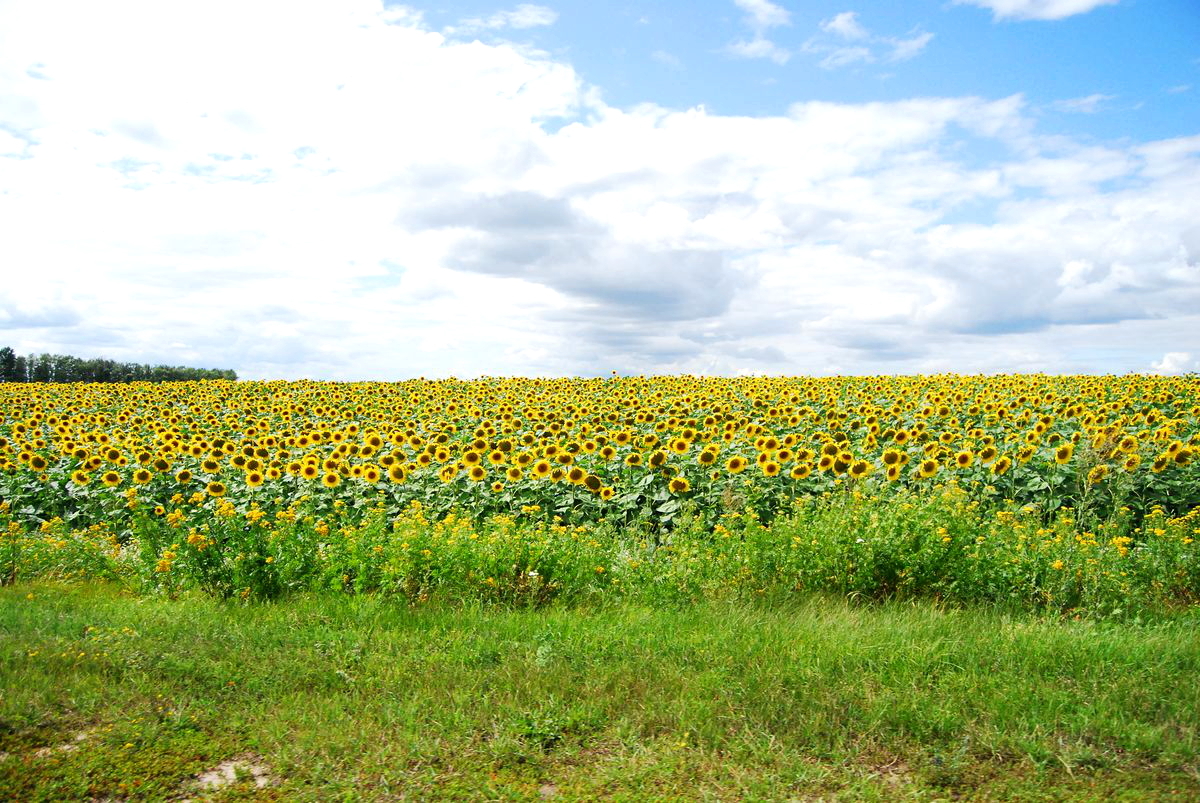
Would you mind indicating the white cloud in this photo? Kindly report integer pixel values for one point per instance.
(759, 48)
(1084, 105)
(393, 203)
(761, 16)
(1174, 363)
(842, 56)
(1037, 9)
(845, 25)
(525, 15)
(905, 49)
(849, 42)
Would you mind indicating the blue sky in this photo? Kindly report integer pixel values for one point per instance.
(343, 189)
(1142, 57)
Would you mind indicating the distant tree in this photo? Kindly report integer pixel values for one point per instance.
(65, 368)
(8, 365)
(40, 367)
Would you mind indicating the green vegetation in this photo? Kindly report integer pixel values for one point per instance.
(65, 368)
(935, 544)
(103, 695)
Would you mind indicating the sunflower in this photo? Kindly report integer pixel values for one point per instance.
(477, 473)
(397, 474)
(255, 479)
(79, 477)
(142, 476)
(706, 458)
(215, 488)
(592, 483)
(514, 474)
(1002, 465)
(893, 473)
(210, 466)
(860, 468)
(800, 471)
(770, 468)
(576, 475)
(497, 487)
(929, 468)
(891, 457)
(331, 479)
(542, 468)
(634, 459)
(987, 454)
(679, 485)
(1062, 455)
(735, 464)
(310, 471)
(964, 459)
(1098, 474)
(607, 493)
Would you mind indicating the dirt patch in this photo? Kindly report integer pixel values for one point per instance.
(239, 768)
(65, 747)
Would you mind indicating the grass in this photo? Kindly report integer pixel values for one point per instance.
(361, 697)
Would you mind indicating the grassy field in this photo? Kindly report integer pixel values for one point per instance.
(106, 695)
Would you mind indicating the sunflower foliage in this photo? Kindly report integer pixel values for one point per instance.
(1070, 492)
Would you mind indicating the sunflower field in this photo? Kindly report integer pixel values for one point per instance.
(1074, 492)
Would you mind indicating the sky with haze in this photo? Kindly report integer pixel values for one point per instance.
(361, 190)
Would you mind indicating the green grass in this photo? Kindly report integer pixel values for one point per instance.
(360, 697)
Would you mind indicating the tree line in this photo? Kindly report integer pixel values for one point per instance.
(65, 368)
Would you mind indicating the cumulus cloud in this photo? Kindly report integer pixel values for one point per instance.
(398, 203)
(1037, 9)
(761, 16)
(846, 41)
(1174, 363)
(845, 25)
